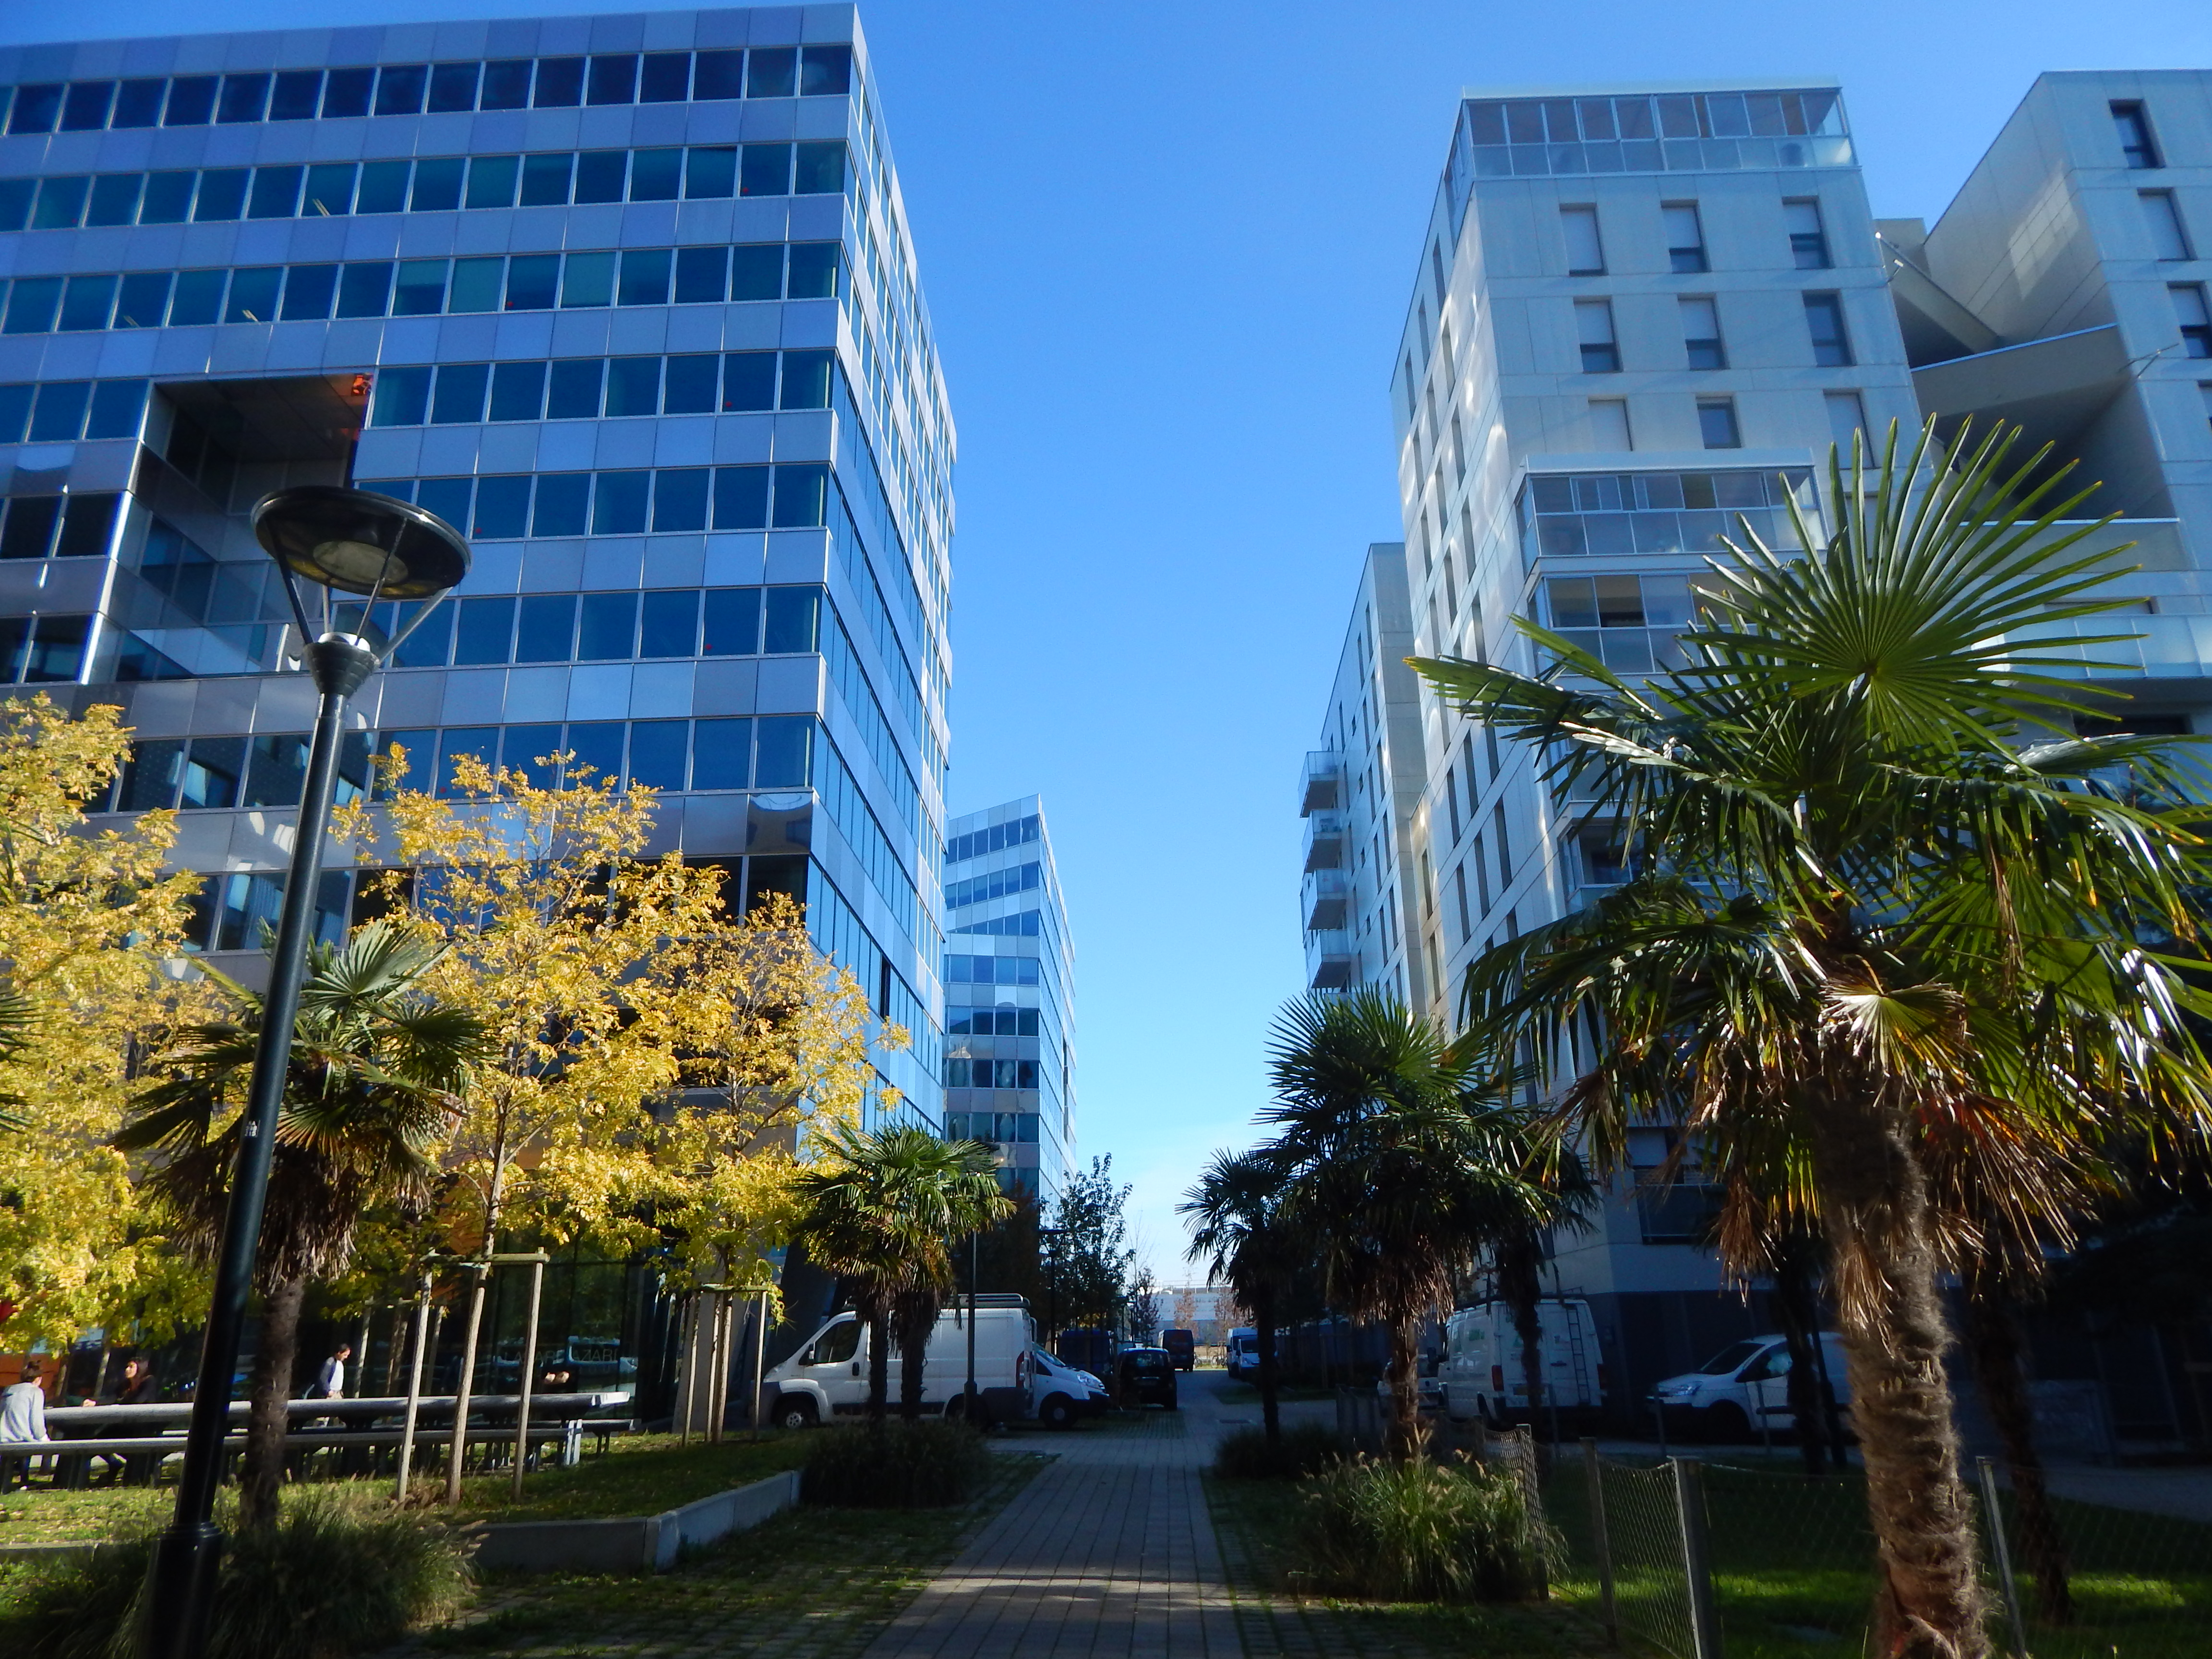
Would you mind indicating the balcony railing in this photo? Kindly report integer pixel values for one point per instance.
(2168, 647)
(1324, 840)
(1331, 962)
(1321, 785)
(1325, 894)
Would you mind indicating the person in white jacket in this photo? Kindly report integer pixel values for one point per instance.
(23, 1415)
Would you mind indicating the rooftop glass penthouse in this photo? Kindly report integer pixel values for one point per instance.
(630, 299)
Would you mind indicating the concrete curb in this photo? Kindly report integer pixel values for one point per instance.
(36, 1552)
(636, 1543)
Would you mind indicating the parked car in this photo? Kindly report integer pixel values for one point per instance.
(1428, 1382)
(1182, 1347)
(1062, 1394)
(1744, 1385)
(1483, 1375)
(1147, 1377)
(1243, 1354)
(828, 1375)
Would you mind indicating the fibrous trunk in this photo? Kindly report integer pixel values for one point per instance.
(1874, 1207)
(1263, 1322)
(916, 1317)
(1405, 1388)
(262, 1471)
(1993, 1343)
(1519, 1282)
(880, 1363)
(1797, 1305)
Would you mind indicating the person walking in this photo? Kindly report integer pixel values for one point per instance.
(23, 1416)
(330, 1380)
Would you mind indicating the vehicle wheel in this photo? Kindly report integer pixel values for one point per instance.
(794, 1411)
(1058, 1411)
(1726, 1422)
(956, 1409)
(1172, 1405)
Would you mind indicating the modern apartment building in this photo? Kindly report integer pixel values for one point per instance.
(1639, 312)
(1010, 996)
(630, 300)
(1360, 794)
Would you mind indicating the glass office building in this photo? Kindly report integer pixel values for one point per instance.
(630, 300)
(1010, 996)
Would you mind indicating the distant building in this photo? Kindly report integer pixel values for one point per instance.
(1010, 991)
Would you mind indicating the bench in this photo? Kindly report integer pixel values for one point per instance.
(73, 1458)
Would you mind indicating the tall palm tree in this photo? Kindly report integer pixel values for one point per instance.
(1394, 1167)
(1237, 1228)
(1872, 909)
(375, 1080)
(883, 1212)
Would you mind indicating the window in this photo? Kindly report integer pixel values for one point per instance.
(1717, 423)
(2134, 128)
(2167, 239)
(1585, 254)
(2196, 320)
(2204, 388)
(1685, 237)
(1701, 334)
(1808, 238)
(1846, 420)
(1609, 422)
(1594, 333)
(1824, 319)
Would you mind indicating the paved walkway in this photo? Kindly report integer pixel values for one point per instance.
(1109, 1554)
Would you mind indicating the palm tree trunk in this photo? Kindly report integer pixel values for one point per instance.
(1519, 1267)
(879, 1363)
(1993, 1344)
(271, 1391)
(1263, 1323)
(1874, 1204)
(1798, 1308)
(1404, 1332)
(917, 1323)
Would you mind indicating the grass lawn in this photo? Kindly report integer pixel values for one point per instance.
(1793, 1568)
(816, 1583)
(1253, 1518)
(639, 1474)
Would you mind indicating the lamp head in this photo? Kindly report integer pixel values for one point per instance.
(358, 541)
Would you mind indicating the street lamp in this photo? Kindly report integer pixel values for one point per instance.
(340, 541)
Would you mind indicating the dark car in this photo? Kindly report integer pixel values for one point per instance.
(1145, 1376)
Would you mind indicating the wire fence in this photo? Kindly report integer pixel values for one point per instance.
(1693, 1559)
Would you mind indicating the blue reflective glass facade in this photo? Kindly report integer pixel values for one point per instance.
(632, 300)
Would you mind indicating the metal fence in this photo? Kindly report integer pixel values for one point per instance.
(1693, 1559)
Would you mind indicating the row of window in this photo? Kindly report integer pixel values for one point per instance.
(1006, 1128)
(728, 752)
(1683, 229)
(1667, 513)
(1017, 832)
(504, 506)
(995, 1074)
(1024, 879)
(1702, 345)
(418, 287)
(438, 184)
(62, 411)
(75, 527)
(990, 1022)
(990, 970)
(653, 77)
(1028, 925)
(590, 388)
(1677, 132)
(42, 650)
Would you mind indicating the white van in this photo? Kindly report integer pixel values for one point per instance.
(1062, 1392)
(1482, 1371)
(1744, 1385)
(1243, 1356)
(828, 1375)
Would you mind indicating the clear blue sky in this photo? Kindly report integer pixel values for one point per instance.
(1167, 248)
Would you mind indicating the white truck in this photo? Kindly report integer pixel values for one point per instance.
(1243, 1354)
(827, 1376)
(1743, 1386)
(1482, 1373)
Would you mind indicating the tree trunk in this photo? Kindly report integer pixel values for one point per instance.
(1520, 1264)
(1874, 1203)
(271, 1391)
(1797, 1305)
(1263, 1325)
(1405, 1386)
(917, 1323)
(879, 1364)
(1993, 1344)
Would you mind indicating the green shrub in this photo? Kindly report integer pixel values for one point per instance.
(898, 1466)
(1420, 1532)
(330, 1578)
(1307, 1448)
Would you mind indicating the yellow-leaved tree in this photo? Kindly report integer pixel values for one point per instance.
(657, 1059)
(91, 943)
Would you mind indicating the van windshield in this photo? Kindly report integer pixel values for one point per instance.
(836, 1344)
(1725, 1363)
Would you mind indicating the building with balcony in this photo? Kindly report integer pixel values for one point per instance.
(1358, 793)
(1010, 995)
(631, 300)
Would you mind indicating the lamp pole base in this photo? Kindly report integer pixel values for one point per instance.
(174, 1610)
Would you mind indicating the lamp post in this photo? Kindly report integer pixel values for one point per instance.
(340, 541)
